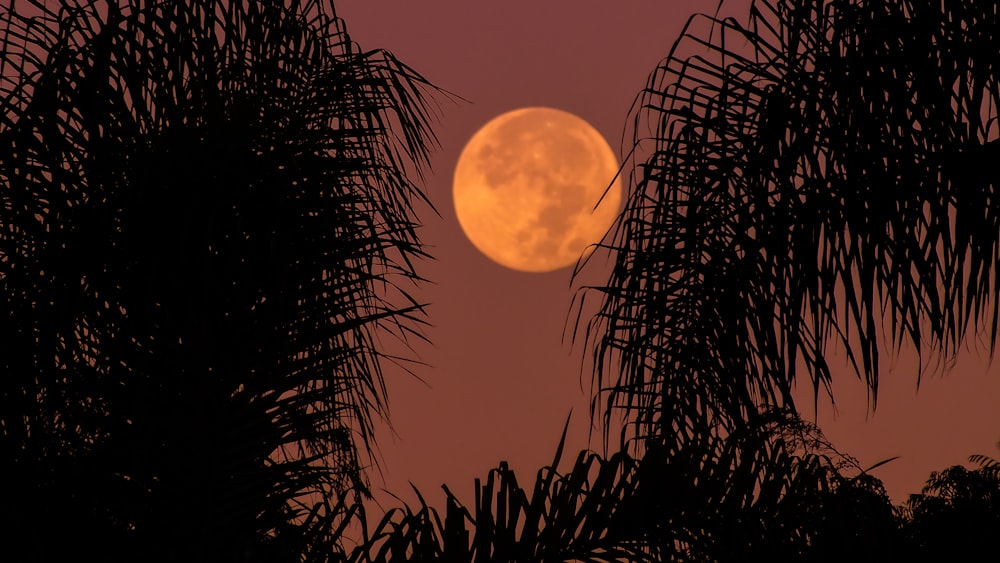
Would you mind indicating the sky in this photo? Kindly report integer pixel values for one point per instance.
(498, 379)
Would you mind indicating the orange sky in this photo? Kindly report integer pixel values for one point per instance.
(500, 380)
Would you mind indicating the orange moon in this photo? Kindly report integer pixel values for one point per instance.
(526, 186)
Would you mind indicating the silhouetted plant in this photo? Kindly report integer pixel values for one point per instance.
(206, 224)
(581, 515)
(810, 177)
(816, 175)
(775, 492)
(957, 515)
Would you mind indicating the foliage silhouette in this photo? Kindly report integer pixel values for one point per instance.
(774, 493)
(206, 226)
(816, 175)
(957, 514)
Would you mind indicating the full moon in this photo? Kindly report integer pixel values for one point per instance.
(527, 188)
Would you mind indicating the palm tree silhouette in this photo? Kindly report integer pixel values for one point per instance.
(778, 492)
(206, 224)
(814, 176)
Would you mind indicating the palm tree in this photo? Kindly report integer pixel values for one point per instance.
(777, 492)
(206, 226)
(820, 174)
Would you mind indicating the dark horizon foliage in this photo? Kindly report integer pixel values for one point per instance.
(206, 227)
(809, 177)
(957, 514)
(779, 492)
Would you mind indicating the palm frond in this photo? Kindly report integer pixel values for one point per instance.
(776, 492)
(818, 175)
(581, 515)
(206, 226)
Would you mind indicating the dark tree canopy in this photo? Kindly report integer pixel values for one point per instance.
(206, 225)
(778, 492)
(813, 176)
(957, 514)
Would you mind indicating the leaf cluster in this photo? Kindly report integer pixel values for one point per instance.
(818, 175)
(772, 493)
(206, 227)
(956, 514)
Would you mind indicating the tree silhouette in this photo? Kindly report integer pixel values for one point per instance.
(814, 176)
(206, 226)
(777, 492)
(957, 513)
(818, 174)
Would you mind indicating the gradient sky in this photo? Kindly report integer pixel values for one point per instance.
(499, 380)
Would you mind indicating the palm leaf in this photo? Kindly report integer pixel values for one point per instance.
(206, 227)
(777, 491)
(818, 175)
